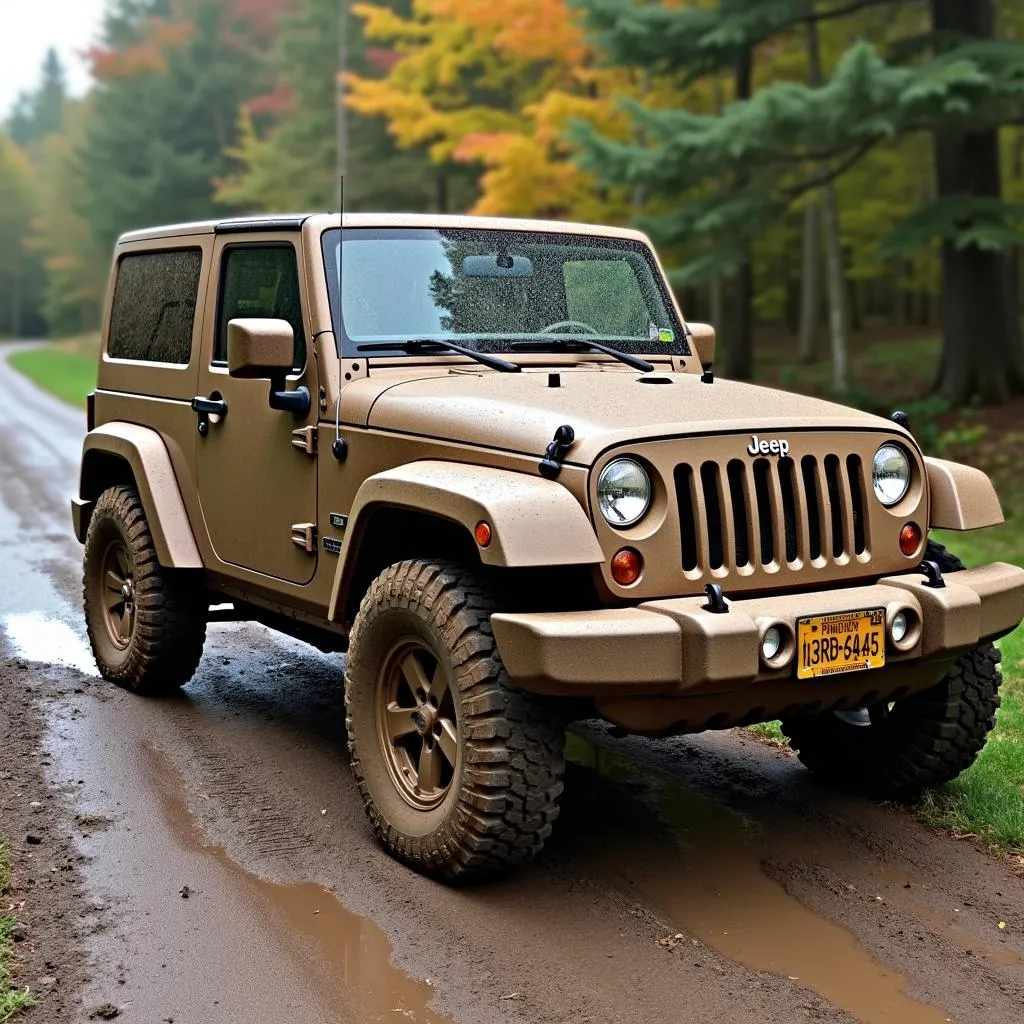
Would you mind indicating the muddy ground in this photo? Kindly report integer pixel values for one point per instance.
(205, 860)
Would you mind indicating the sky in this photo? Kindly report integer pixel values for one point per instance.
(29, 27)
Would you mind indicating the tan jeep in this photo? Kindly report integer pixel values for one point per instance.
(490, 460)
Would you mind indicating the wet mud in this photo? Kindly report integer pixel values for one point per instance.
(704, 879)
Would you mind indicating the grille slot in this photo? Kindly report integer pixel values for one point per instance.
(743, 515)
(687, 516)
(764, 517)
(835, 504)
(709, 478)
(853, 468)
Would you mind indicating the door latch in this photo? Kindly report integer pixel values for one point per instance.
(204, 408)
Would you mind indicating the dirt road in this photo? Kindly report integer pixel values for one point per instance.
(205, 860)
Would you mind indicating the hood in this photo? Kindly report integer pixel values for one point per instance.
(605, 407)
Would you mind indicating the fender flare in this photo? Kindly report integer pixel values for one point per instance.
(146, 455)
(534, 522)
(962, 498)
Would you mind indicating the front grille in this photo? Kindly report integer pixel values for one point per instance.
(763, 513)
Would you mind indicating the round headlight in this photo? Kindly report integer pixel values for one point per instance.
(890, 474)
(623, 492)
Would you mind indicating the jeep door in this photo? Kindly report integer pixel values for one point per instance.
(256, 466)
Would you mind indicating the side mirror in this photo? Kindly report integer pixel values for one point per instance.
(261, 349)
(703, 338)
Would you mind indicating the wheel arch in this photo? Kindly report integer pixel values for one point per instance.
(127, 453)
(431, 508)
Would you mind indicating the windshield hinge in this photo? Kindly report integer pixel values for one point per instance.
(304, 536)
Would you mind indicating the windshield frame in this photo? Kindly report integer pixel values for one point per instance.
(348, 347)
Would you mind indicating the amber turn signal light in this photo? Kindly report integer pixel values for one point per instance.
(626, 566)
(910, 538)
(482, 532)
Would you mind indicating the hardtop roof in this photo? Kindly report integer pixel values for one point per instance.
(322, 221)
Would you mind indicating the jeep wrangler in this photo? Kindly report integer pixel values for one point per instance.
(491, 462)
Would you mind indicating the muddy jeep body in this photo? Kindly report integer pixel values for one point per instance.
(285, 490)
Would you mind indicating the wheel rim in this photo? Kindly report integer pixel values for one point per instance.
(118, 578)
(417, 723)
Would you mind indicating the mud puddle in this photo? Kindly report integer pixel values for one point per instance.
(711, 883)
(352, 950)
(35, 637)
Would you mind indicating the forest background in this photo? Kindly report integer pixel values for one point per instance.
(817, 174)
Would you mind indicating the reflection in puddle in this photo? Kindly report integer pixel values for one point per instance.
(716, 890)
(36, 637)
(355, 952)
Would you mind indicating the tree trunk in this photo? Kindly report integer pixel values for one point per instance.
(834, 276)
(810, 290)
(982, 352)
(740, 356)
(715, 305)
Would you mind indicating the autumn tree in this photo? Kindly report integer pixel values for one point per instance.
(40, 112)
(19, 278)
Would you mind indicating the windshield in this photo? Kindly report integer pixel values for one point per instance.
(491, 289)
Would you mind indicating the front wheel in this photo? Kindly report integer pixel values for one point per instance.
(460, 772)
(920, 741)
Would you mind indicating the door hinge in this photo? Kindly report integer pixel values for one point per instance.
(305, 440)
(304, 536)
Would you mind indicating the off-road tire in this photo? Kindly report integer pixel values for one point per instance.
(500, 803)
(924, 740)
(168, 626)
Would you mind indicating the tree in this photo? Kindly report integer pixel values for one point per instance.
(775, 143)
(40, 113)
(294, 163)
(19, 276)
(170, 81)
(983, 353)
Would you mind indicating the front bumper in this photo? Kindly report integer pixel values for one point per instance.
(676, 647)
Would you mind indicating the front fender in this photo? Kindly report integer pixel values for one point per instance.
(534, 522)
(146, 456)
(962, 498)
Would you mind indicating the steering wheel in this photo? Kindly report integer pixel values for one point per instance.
(559, 324)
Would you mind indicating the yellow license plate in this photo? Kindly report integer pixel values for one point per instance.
(827, 645)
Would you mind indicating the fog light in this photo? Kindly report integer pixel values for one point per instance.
(626, 566)
(900, 626)
(910, 538)
(771, 643)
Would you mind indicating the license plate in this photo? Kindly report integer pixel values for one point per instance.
(827, 645)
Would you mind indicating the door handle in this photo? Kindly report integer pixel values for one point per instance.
(204, 408)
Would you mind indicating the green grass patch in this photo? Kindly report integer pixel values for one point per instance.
(66, 372)
(12, 1000)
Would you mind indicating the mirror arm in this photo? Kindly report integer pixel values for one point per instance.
(296, 402)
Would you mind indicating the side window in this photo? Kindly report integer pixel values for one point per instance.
(154, 308)
(260, 281)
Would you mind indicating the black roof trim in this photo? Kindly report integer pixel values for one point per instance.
(252, 224)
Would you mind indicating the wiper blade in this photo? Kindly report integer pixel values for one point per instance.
(584, 343)
(429, 345)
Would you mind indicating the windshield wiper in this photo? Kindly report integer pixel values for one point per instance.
(429, 345)
(580, 343)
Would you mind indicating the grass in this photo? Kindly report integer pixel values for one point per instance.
(66, 369)
(12, 1000)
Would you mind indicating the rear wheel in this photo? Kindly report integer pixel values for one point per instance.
(895, 751)
(460, 772)
(146, 623)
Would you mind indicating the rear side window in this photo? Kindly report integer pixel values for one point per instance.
(260, 281)
(154, 309)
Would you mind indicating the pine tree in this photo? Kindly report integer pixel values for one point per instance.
(730, 177)
(164, 115)
(41, 112)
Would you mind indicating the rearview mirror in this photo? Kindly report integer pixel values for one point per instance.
(703, 337)
(265, 349)
(498, 265)
(260, 348)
